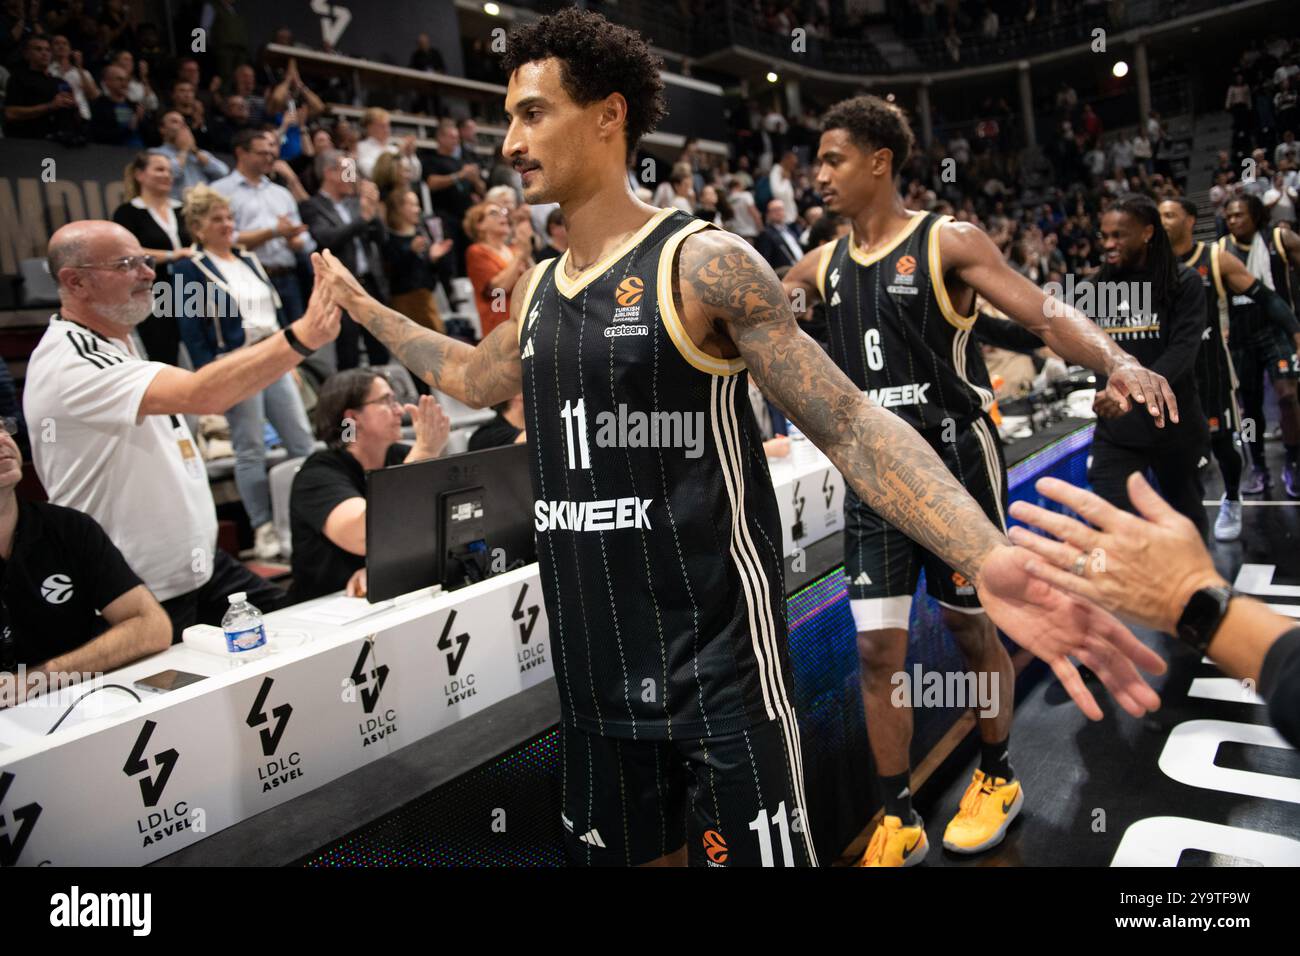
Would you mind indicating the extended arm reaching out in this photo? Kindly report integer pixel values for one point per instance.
(479, 375)
(725, 287)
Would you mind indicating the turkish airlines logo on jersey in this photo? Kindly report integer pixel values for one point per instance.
(151, 789)
(11, 847)
(630, 291)
(57, 589)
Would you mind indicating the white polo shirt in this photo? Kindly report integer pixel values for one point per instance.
(141, 479)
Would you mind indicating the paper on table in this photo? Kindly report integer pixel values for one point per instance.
(337, 611)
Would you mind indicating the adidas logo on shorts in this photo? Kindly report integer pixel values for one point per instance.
(862, 579)
(592, 838)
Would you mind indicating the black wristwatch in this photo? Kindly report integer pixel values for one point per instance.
(1204, 613)
(294, 344)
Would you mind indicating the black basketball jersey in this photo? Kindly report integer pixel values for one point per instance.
(1212, 361)
(895, 332)
(1246, 318)
(658, 533)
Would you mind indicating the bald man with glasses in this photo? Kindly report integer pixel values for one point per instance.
(108, 431)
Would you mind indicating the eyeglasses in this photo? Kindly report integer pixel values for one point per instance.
(389, 399)
(124, 264)
(9, 426)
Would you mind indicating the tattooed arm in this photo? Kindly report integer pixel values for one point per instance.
(479, 375)
(884, 459)
(800, 283)
(731, 300)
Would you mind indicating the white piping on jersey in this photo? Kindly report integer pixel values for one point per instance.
(763, 637)
(959, 353)
(991, 465)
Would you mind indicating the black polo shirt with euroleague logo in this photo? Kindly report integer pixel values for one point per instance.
(62, 571)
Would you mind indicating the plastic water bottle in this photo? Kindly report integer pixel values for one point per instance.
(245, 633)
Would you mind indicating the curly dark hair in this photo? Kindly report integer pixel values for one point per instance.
(873, 123)
(597, 58)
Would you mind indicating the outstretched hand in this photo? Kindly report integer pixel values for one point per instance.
(342, 284)
(1055, 626)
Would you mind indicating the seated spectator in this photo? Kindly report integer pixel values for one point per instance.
(152, 216)
(125, 455)
(66, 65)
(37, 105)
(506, 429)
(343, 217)
(411, 256)
(190, 108)
(232, 119)
(682, 195)
(379, 139)
(426, 55)
(114, 119)
(391, 174)
(713, 207)
(778, 243)
(557, 236)
(138, 90)
(745, 220)
(495, 260)
(191, 166)
(104, 618)
(244, 86)
(240, 308)
(360, 420)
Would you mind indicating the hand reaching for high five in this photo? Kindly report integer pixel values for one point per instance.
(320, 323)
(1055, 625)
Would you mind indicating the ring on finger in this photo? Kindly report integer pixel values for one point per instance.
(1080, 564)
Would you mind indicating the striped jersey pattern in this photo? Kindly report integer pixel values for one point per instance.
(660, 564)
(1245, 316)
(896, 334)
(1213, 362)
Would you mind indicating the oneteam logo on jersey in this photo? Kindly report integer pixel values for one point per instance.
(609, 514)
(618, 331)
(57, 588)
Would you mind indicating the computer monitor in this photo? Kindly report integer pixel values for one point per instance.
(448, 521)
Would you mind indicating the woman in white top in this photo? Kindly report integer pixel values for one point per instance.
(745, 220)
(229, 303)
(153, 217)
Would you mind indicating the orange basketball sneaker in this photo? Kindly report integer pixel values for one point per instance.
(987, 809)
(896, 845)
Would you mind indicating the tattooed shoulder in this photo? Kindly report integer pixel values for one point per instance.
(729, 280)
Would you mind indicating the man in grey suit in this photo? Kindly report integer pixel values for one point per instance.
(343, 217)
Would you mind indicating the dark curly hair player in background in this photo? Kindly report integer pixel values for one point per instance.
(661, 566)
(900, 306)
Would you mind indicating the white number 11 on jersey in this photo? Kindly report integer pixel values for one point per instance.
(576, 417)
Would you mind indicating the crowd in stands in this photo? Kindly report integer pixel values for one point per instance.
(242, 172)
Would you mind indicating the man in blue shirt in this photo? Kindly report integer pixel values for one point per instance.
(266, 217)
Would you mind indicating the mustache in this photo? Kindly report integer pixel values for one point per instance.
(524, 165)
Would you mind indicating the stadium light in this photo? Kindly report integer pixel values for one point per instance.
(1120, 69)
(772, 77)
(491, 9)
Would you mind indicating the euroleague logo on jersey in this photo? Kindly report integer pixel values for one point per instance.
(715, 848)
(628, 295)
(57, 588)
(904, 277)
(630, 291)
